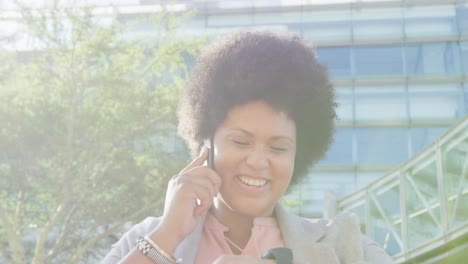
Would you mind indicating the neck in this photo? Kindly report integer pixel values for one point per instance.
(240, 225)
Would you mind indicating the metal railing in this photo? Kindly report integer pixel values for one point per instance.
(423, 204)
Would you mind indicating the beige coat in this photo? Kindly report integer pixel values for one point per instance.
(335, 241)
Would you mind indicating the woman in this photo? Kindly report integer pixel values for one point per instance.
(266, 107)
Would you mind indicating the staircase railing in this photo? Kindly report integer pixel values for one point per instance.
(423, 204)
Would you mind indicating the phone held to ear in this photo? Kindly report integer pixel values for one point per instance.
(211, 153)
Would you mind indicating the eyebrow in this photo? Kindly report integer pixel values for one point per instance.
(251, 134)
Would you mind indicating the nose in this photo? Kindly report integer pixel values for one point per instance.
(257, 158)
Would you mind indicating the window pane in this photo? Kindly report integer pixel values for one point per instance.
(466, 98)
(380, 103)
(226, 4)
(344, 99)
(280, 18)
(326, 16)
(340, 183)
(341, 150)
(326, 25)
(464, 55)
(430, 21)
(421, 137)
(374, 29)
(379, 60)
(327, 31)
(370, 23)
(337, 59)
(433, 58)
(311, 190)
(441, 101)
(229, 20)
(191, 27)
(363, 179)
(462, 18)
(381, 146)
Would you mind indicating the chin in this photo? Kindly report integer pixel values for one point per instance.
(253, 210)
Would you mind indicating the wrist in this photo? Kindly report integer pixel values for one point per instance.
(166, 238)
(152, 251)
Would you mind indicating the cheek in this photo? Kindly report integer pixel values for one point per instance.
(286, 166)
(226, 160)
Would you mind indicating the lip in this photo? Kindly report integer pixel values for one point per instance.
(253, 190)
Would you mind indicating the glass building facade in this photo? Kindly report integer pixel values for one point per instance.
(399, 68)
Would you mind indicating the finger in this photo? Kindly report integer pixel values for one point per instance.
(200, 196)
(195, 188)
(198, 161)
(205, 197)
(186, 185)
(199, 174)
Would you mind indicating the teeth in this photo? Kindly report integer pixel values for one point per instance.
(253, 182)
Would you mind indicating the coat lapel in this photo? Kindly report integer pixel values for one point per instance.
(188, 248)
(303, 237)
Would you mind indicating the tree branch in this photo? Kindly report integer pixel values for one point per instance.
(19, 205)
(83, 247)
(44, 234)
(13, 235)
(61, 237)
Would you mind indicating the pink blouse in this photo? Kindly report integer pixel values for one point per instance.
(265, 235)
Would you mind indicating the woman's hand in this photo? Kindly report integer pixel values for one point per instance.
(190, 193)
(238, 259)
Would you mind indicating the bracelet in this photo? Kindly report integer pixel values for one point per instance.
(150, 249)
(155, 246)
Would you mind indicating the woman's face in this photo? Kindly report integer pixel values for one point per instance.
(254, 149)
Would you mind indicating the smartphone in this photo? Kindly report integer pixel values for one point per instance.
(282, 255)
(211, 154)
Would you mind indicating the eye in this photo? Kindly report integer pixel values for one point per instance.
(279, 148)
(240, 142)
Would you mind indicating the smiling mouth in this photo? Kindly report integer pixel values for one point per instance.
(252, 182)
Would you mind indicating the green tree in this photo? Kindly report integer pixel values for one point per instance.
(87, 130)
